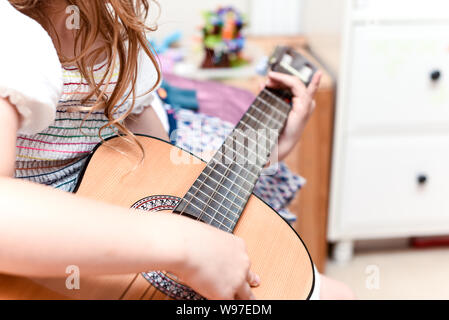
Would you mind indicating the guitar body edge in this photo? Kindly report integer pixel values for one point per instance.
(276, 251)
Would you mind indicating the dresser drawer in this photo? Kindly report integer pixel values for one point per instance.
(398, 78)
(389, 184)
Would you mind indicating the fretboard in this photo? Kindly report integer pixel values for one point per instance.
(219, 195)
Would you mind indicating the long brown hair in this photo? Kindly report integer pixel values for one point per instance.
(121, 26)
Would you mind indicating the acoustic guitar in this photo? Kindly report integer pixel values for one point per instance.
(218, 193)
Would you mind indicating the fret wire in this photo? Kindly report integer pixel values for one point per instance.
(202, 173)
(262, 125)
(270, 102)
(228, 192)
(227, 178)
(235, 196)
(207, 204)
(272, 142)
(202, 211)
(258, 124)
(282, 120)
(267, 116)
(225, 197)
(279, 121)
(237, 176)
(208, 215)
(241, 168)
(220, 152)
(276, 98)
(270, 109)
(205, 213)
(259, 98)
(271, 96)
(271, 99)
(218, 185)
(217, 201)
(232, 160)
(237, 193)
(217, 191)
(234, 200)
(240, 172)
(267, 96)
(249, 138)
(255, 142)
(277, 116)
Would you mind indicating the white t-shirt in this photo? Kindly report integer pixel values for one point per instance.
(30, 71)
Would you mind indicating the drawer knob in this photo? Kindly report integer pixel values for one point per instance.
(435, 75)
(422, 179)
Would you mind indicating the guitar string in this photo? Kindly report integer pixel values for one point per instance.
(224, 175)
(224, 196)
(199, 188)
(271, 107)
(258, 122)
(239, 174)
(202, 211)
(218, 186)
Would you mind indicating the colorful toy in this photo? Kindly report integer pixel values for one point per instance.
(223, 38)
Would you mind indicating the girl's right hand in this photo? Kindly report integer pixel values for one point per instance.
(217, 265)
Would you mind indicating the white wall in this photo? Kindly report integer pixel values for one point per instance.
(323, 29)
(267, 16)
(185, 15)
(271, 17)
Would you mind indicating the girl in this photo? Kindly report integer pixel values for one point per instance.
(49, 125)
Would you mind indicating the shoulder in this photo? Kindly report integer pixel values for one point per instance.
(147, 78)
(31, 74)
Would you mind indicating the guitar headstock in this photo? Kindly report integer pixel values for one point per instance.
(287, 60)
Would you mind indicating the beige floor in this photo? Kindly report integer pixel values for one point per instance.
(396, 274)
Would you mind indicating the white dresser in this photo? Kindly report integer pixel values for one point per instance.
(390, 170)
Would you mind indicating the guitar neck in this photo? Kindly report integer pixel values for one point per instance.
(219, 195)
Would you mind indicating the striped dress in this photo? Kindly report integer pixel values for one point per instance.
(55, 156)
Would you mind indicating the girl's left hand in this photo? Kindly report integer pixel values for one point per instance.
(303, 107)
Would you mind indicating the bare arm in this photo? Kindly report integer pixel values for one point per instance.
(147, 123)
(43, 230)
(9, 124)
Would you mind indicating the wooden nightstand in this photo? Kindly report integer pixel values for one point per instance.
(312, 156)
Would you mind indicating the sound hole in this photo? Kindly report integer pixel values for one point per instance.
(163, 281)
